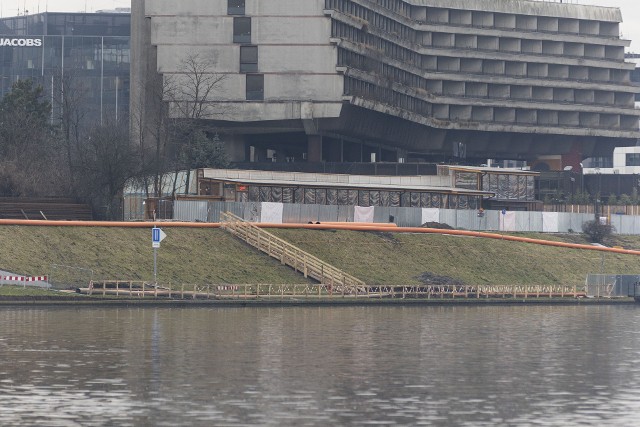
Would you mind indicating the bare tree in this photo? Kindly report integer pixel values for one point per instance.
(170, 123)
(71, 108)
(151, 132)
(191, 99)
(106, 161)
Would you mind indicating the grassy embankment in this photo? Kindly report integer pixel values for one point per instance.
(208, 256)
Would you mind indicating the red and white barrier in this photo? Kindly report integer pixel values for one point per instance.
(24, 278)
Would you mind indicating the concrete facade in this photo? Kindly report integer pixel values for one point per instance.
(394, 80)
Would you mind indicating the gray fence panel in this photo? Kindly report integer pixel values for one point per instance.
(327, 213)
(188, 210)
(617, 223)
(625, 224)
(346, 213)
(469, 220)
(309, 213)
(564, 222)
(292, 213)
(215, 209)
(536, 222)
(409, 217)
(492, 220)
(636, 225)
(449, 217)
(576, 221)
(381, 214)
(463, 221)
(523, 221)
(236, 208)
(252, 211)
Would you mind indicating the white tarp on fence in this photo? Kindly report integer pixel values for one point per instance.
(363, 214)
(430, 215)
(550, 222)
(271, 212)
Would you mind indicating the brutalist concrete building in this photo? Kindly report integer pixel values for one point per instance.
(399, 80)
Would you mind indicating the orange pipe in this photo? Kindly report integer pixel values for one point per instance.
(350, 227)
(361, 224)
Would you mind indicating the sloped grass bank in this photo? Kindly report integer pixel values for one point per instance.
(210, 256)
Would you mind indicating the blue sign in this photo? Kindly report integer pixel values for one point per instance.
(157, 236)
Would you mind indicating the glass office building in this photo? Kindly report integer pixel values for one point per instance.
(84, 53)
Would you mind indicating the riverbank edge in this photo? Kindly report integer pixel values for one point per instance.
(18, 301)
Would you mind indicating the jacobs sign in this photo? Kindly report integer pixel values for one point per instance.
(21, 42)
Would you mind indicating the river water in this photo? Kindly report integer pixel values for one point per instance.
(320, 366)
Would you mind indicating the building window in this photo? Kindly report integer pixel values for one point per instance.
(248, 59)
(255, 87)
(235, 7)
(242, 30)
(633, 159)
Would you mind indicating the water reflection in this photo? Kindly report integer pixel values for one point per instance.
(320, 366)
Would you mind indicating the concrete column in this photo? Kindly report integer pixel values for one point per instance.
(314, 148)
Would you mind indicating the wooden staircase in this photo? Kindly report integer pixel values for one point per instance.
(335, 279)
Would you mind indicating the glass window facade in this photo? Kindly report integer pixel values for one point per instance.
(88, 51)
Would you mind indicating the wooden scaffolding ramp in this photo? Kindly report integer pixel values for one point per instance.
(335, 279)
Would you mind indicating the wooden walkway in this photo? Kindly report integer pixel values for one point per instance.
(292, 256)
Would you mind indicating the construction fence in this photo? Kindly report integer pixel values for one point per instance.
(467, 219)
(612, 285)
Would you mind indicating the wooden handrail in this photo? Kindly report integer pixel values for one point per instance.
(291, 255)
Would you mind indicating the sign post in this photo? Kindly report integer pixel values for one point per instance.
(157, 236)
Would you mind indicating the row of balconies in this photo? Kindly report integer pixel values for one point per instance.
(531, 117)
(460, 61)
(530, 93)
(473, 111)
(524, 69)
(523, 46)
(507, 21)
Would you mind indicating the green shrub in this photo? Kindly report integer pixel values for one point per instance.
(596, 232)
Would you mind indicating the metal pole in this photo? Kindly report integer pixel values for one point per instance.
(101, 77)
(155, 266)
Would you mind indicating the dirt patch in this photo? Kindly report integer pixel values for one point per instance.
(428, 278)
(387, 237)
(438, 225)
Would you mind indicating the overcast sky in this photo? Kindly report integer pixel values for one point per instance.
(630, 10)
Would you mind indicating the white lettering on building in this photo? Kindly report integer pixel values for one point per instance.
(21, 42)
